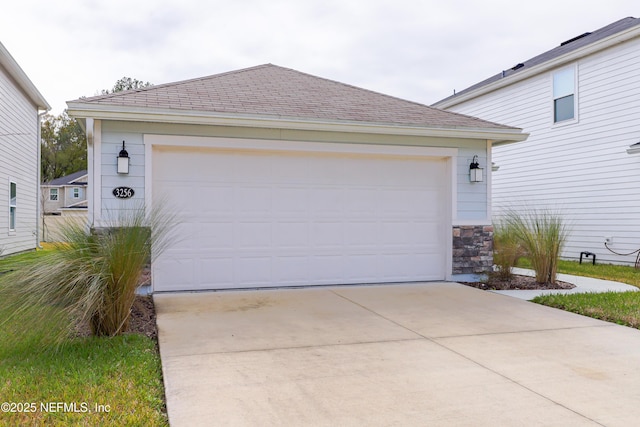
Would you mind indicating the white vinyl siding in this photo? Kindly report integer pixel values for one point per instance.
(583, 169)
(18, 163)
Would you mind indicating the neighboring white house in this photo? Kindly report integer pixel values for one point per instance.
(66, 192)
(20, 108)
(580, 103)
(281, 178)
(63, 198)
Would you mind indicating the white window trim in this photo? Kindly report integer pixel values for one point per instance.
(14, 206)
(51, 194)
(576, 102)
(75, 193)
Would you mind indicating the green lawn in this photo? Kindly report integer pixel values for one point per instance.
(617, 307)
(618, 273)
(90, 381)
(622, 308)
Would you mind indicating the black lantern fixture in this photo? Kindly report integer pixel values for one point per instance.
(475, 171)
(123, 161)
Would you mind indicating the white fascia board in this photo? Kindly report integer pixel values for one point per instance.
(104, 112)
(10, 64)
(574, 55)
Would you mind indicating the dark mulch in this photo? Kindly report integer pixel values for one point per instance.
(143, 317)
(517, 283)
(142, 320)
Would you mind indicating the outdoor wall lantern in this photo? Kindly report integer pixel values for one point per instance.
(475, 171)
(123, 160)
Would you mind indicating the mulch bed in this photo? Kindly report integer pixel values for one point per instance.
(517, 283)
(142, 320)
(143, 317)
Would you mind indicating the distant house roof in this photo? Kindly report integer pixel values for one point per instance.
(563, 49)
(275, 93)
(8, 63)
(71, 179)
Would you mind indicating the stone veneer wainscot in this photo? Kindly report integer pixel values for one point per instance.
(472, 249)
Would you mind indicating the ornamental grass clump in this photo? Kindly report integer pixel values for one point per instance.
(506, 251)
(88, 280)
(542, 233)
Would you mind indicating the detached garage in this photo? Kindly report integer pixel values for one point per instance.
(280, 178)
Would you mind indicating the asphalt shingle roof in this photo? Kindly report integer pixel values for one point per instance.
(277, 92)
(564, 48)
(68, 179)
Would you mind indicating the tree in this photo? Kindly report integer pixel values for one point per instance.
(64, 146)
(126, 83)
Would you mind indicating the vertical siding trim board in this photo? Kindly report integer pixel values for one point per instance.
(97, 181)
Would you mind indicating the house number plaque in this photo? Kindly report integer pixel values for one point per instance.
(123, 192)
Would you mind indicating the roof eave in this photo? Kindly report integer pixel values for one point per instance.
(589, 49)
(12, 67)
(81, 110)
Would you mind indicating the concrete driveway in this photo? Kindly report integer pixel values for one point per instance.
(439, 354)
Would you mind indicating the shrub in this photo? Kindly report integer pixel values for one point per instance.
(506, 251)
(542, 233)
(89, 279)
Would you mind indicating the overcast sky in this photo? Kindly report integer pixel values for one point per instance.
(419, 50)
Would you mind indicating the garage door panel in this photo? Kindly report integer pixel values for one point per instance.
(361, 201)
(328, 201)
(252, 200)
(217, 270)
(327, 234)
(212, 200)
(291, 235)
(212, 236)
(289, 200)
(274, 219)
(253, 270)
(252, 235)
(427, 233)
(183, 236)
(358, 234)
(361, 268)
(177, 271)
(291, 269)
(328, 267)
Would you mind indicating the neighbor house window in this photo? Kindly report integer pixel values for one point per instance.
(13, 191)
(76, 193)
(564, 95)
(53, 194)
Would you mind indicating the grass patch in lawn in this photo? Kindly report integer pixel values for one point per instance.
(12, 261)
(622, 308)
(123, 374)
(618, 273)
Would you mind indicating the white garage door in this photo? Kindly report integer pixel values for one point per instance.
(258, 218)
